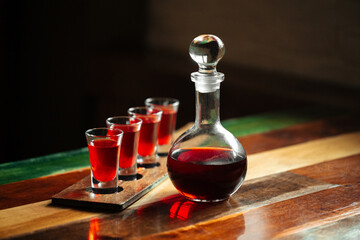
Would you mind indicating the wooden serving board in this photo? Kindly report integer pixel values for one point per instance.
(80, 194)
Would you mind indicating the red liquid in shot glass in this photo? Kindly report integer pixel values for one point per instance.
(148, 137)
(167, 126)
(103, 158)
(129, 145)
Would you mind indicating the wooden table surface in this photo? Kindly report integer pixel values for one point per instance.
(303, 182)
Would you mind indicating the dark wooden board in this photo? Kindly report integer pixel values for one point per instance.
(80, 195)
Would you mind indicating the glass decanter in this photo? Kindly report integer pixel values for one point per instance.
(207, 163)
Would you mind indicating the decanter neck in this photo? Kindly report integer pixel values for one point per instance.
(207, 108)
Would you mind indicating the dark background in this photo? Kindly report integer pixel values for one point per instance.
(68, 65)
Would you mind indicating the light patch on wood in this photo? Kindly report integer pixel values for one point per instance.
(303, 154)
(35, 216)
(348, 211)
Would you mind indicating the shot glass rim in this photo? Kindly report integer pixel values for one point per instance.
(145, 107)
(175, 103)
(139, 121)
(103, 128)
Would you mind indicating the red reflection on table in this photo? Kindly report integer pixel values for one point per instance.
(181, 210)
(94, 229)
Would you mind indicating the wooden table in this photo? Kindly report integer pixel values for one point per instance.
(303, 181)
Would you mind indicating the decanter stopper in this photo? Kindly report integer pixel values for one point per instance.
(207, 50)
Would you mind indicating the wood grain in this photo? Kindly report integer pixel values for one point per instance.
(299, 133)
(38, 189)
(265, 163)
(43, 188)
(339, 171)
(347, 228)
(35, 216)
(303, 154)
(277, 220)
(283, 159)
(43, 166)
(174, 211)
(261, 123)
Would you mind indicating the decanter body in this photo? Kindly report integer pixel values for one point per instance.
(207, 163)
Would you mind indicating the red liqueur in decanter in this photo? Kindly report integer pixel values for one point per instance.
(207, 163)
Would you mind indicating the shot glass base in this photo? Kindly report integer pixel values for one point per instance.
(99, 187)
(149, 165)
(106, 190)
(130, 177)
(148, 161)
(127, 177)
(128, 174)
(163, 150)
(162, 154)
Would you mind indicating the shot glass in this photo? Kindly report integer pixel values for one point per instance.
(148, 133)
(169, 106)
(129, 146)
(104, 158)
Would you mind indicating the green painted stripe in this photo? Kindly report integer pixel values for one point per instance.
(72, 160)
(44, 166)
(276, 120)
